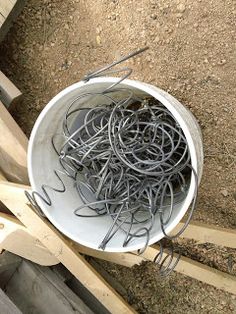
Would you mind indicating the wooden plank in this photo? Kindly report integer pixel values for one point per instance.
(111, 280)
(38, 288)
(2, 177)
(30, 248)
(8, 265)
(5, 7)
(6, 305)
(9, 93)
(87, 297)
(3, 208)
(67, 277)
(203, 233)
(193, 269)
(13, 148)
(124, 259)
(2, 20)
(12, 196)
(74, 300)
(17, 6)
(41, 255)
(199, 271)
(15, 239)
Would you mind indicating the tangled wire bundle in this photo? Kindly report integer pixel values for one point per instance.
(130, 161)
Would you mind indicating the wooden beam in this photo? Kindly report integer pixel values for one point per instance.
(36, 289)
(3, 208)
(5, 7)
(15, 238)
(199, 271)
(124, 259)
(203, 233)
(2, 19)
(13, 197)
(6, 305)
(2, 177)
(9, 263)
(10, 10)
(13, 148)
(9, 93)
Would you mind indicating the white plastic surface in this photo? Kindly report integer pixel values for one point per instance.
(42, 161)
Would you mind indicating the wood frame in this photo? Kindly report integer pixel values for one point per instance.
(185, 266)
(9, 10)
(61, 248)
(9, 93)
(42, 238)
(13, 148)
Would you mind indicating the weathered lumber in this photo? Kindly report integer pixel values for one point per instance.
(67, 252)
(6, 305)
(9, 93)
(13, 148)
(38, 288)
(9, 10)
(15, 238)
(13, 197)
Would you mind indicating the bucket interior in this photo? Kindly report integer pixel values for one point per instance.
(43, 161)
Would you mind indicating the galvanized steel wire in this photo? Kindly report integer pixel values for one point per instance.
(129, 159)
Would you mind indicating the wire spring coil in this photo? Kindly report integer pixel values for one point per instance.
(129, 160)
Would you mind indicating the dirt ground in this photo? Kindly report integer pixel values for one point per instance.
(192, 55)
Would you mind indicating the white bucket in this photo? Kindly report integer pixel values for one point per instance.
(42, 161)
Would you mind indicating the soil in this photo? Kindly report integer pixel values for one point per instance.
(192, 55)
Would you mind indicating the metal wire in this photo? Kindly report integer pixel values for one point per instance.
(129, 160)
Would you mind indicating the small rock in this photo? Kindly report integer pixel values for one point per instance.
(224, 192)
(38, 108)
(181, 8)
(153, 16)
(157, 39)
(98, 30)
(98, 40)
(179, 15)
(222, 62)
(188, 87)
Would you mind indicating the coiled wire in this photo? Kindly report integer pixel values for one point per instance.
(129, 160)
